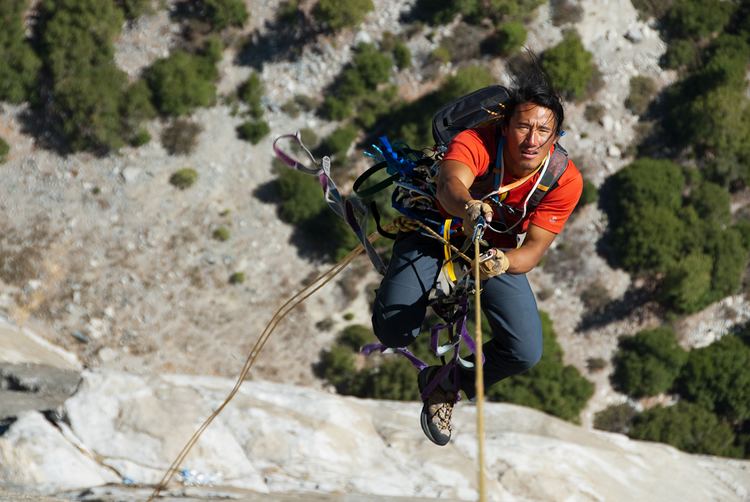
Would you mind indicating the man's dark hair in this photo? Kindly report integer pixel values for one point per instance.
(531, 84)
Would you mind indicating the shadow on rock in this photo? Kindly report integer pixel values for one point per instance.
(284, 39)
(639, 300)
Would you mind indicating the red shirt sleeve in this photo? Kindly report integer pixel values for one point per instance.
(555, 208)
(474, 147)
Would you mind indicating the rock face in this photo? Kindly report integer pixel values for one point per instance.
(282, 439)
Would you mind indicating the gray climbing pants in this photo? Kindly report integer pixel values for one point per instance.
(507, 302)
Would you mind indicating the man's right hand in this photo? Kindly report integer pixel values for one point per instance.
(474, 209)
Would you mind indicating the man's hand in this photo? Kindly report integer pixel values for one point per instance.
(492, 263)
(474, 209)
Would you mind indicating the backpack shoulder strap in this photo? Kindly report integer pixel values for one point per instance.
(557, 165)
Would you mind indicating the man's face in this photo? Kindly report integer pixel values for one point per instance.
(529, 135)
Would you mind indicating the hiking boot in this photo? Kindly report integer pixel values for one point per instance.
(438, 407)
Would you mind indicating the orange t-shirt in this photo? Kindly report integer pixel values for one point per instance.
(477, 148)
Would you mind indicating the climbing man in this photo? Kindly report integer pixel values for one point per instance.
(509, 158)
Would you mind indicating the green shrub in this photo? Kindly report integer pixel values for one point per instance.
(441, 54)
(221, 14)
(355, 336)
(221, 234)
(401, 55)
(594, 112)
(253, 130)
(549, 386)
(237, 278)
(4, 150)
(686, 426)
(687, 283)
(565, 12)
(184, 178)
(140, 138)
(508, 38)
(680, 54)
(717, 378)
(182, 82)
(569, 66)
(648, 363)
(695, 19)
(83, 89)
(18, 73)
(615, 418)
(642, 91)
(595, 364)
(651, 8)
(338, 142)
(180, 136)
(300, 195)
(251, 92)
(589, 195)
(338, 14)
(133, 9)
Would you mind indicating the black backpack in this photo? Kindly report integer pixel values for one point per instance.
(482, 107)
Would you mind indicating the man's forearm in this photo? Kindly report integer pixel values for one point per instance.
(453, 196)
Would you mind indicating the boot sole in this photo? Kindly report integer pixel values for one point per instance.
(424, 416)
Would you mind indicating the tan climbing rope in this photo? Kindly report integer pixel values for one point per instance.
(479, 364)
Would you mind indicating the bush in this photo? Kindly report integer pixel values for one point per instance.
(182, 82)
(642, 91)
(594, 112)
(300, 194)
(686, 426)
(253, 130)
(180, 137)
(133, 9)
(355, 336)
(687, 283)
(338, 142)
(680, 54)
(221, 234)
(4, 150)
(648, 363)
(570, 66)
(696, 20)
(18, 73)
(251, 92)
(589, 195)
(508, 38)
(550, 386)
(401, 55)
(595, 364)
(338, 14)
(615, 418)
(237, 278)
(83, 88)
(140, 138)
(651, 8)
(565, 12)
(222, 14)
(184, 178)
(717, 378)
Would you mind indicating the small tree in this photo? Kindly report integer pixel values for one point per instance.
(253, 130)
(180, 137)
(508, 38)
(222, 14)
(642, 91)
(717, 378)
(648, 363)
(686, 426)
(184, 178)
(18, 73)
(569, 65)
(338, 14)
(615, 418)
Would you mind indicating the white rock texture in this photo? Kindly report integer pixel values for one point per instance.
(278, 439)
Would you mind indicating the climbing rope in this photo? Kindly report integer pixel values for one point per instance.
(479, 382)
(282, 311)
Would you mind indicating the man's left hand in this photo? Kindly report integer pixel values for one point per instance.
(493, 263)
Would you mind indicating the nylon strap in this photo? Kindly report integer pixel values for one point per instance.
(448, 265)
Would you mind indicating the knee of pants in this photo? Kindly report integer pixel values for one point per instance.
(390, 331)
(528, 354)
